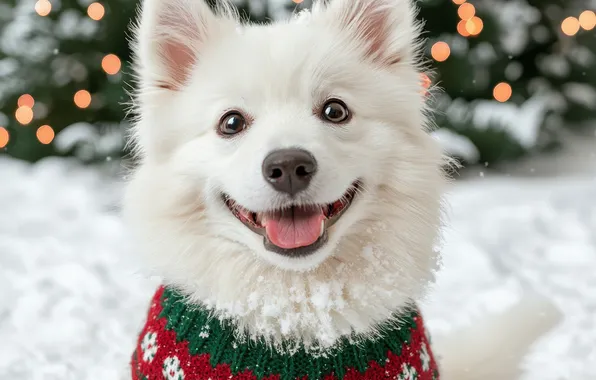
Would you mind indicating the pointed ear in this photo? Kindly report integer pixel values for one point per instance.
(385, 30)
(170, 36)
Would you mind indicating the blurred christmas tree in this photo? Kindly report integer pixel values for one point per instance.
(61, 67)
(514, 73)
(64, 69)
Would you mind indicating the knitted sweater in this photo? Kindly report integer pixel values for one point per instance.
(182, 342)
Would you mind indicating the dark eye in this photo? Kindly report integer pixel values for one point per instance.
(335, 111)
(232, 123)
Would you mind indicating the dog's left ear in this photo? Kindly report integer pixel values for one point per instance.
(385, 30)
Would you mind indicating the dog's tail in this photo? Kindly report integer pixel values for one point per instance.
(494, 348)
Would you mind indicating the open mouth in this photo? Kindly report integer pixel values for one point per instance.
(294, 230)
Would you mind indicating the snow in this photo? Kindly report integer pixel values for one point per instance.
(515, 18)
(27, 36)
(524, 234)
(582, 55)
(581, 93)
(23, 37)
(72, 303)
(89, 142)
(75, 25)
(75, 134)
(69, 304)
(554, 65)
(521, 122)
(457, 145)
(483, 54)
(514, 71)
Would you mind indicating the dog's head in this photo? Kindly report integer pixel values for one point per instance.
(287, 178)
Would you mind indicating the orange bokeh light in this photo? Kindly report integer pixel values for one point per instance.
(570, 26)
(426, 82)
(82, 98)
(502, 92)
(96, 11)
(440, 51)
(43, 7)
(459, 2)
(587, 20)
(474, 26)
(461, 28)
(111, 64)
(4, 137)
(466, 11)
(26, 100)
(45, 134)
(24, 115)
(297, 1)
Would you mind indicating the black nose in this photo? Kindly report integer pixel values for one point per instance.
(289, 170)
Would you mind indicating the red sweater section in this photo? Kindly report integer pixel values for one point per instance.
(161, 354)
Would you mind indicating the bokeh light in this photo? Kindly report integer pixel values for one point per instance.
(570, 26)
(440, 51)
(461, 28)
(24, 115)
(297, 1)
(587, 20)
(459, 2)
(425, 82)
(4, 137)
(43, 7)
(466, 11)
(82, 98)
(502, 92)
(45, 134)
(474, 26)
(111, 64)
(26, 100)
(96, 11)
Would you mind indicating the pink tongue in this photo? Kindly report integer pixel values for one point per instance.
(298, 227)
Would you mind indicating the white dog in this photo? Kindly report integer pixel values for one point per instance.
(289, 190)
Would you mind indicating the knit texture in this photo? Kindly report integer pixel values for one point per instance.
(182, 342)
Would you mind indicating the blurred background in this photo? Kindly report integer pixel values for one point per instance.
(517, 107)
(518, 76)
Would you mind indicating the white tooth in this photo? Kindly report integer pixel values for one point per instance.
(322, 228)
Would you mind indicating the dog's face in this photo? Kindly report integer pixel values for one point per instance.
(284, 154)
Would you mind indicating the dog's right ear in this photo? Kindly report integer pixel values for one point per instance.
(385, 30)
(170, 36)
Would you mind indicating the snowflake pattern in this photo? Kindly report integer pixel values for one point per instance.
(424, 357)
(171, 369)
(407, 373)
(204, 332)
(149, 346)
(160, 351)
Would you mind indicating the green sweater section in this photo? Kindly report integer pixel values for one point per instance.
(208, 335)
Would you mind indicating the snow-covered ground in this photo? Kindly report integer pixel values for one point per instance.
(71, 302)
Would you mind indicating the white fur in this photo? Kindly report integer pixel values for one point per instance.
(380, 253)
